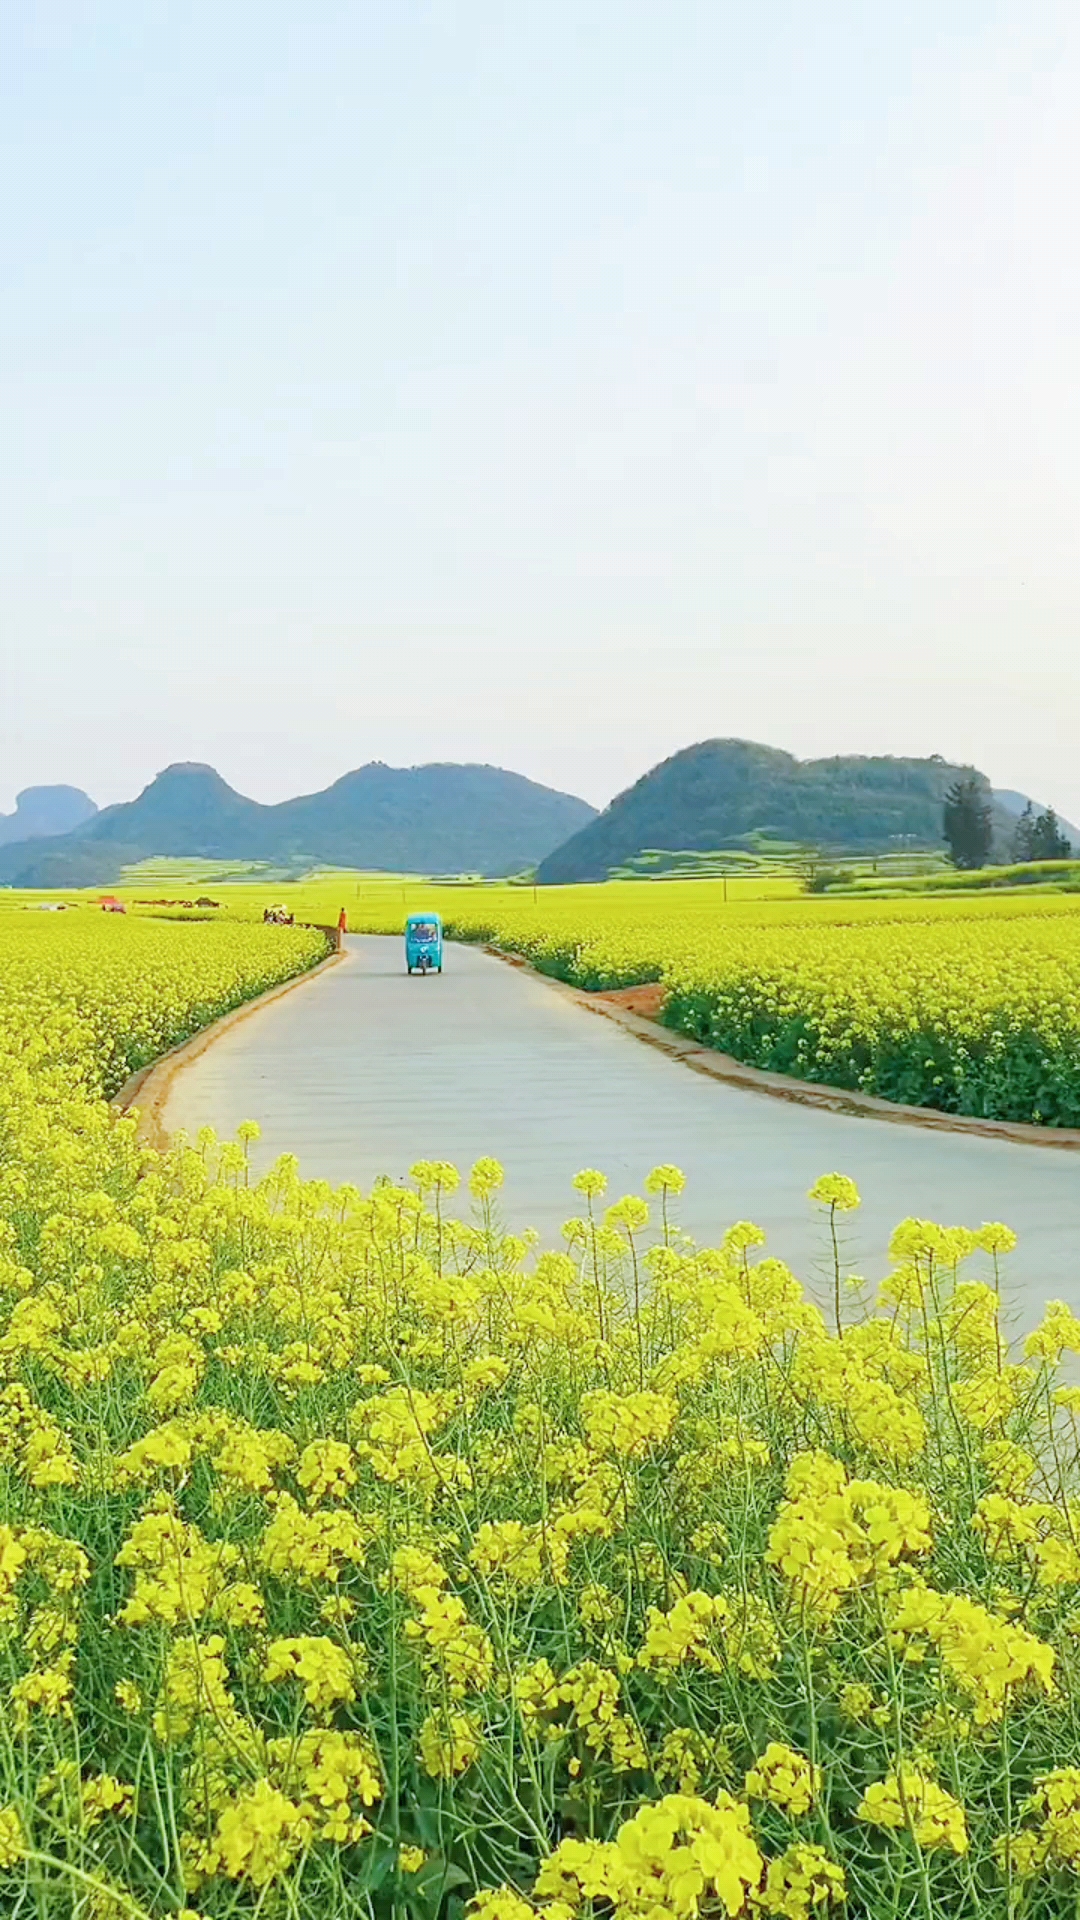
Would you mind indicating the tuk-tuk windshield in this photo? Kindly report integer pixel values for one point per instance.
(426, 931)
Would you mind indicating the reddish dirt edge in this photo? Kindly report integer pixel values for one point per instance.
(635, 1010)
(646, 1001)
(147, 1091)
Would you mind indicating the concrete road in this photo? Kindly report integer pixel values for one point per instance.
(365, 1070)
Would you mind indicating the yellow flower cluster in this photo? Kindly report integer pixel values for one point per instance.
(1055, 1840)
(908, 1799)
(714, 1630)
(786, 1779)
(630, 1424)
(832, 1535)
(665, 1861)
(586, 1698)
(985, 1656)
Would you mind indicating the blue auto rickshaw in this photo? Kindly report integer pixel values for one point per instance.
(423, 943)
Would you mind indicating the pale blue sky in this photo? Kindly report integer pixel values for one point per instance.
(545, 383)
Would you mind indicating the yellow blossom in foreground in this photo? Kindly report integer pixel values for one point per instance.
(590, 1182)
(628, 1424)
(906, 1798)
(485, 1178)
(985, 1655)
(326, 1672)
(45, 1690)
(802, 1881)
(665, 1179)
(785, 1778)
(602, 1516)
(667, 1857)
(499, 1903)
(327, 1467)
(832, 1535)
(257, 1837)
(1056, 1841)
(836, 1190)
(714, 1630)
(334, 1777)
(12, 1838)
(106, 1795)
(449, 1743)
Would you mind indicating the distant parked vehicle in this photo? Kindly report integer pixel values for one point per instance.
(423, 943)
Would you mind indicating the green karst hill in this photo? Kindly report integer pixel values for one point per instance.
(719, 792)
(44, 811)
(438, 818)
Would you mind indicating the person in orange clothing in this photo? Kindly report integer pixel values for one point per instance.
(342, 923)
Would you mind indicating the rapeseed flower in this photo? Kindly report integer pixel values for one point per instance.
(907, 1798)
(785, 1778)
(631, 1424)
(985, 1655)
(327, 1673)
(258, 1836)
(449, 1743)
(663, 1860)
(803, 1880)
(12, 1838)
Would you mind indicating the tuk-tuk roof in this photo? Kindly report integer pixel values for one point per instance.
(428, 919)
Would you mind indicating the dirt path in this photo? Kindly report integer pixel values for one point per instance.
(368, 1070)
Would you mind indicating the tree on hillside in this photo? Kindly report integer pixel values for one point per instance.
(1022, 834)
(1039, 837)
(967, 823)
(1052, 844)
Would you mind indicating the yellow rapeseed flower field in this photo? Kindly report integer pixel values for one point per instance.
(108, 993)
(360, 1559)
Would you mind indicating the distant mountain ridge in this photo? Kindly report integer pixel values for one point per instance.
(453, 818)
(41, 812)
(718, 792)
(442, 818)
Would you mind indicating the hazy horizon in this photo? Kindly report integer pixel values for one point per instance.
(549, 386)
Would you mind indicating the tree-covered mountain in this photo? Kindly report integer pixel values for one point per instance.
(43, 811)
(432, 819)
(720, 792)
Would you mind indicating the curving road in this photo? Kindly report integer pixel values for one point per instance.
(364, 1071)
